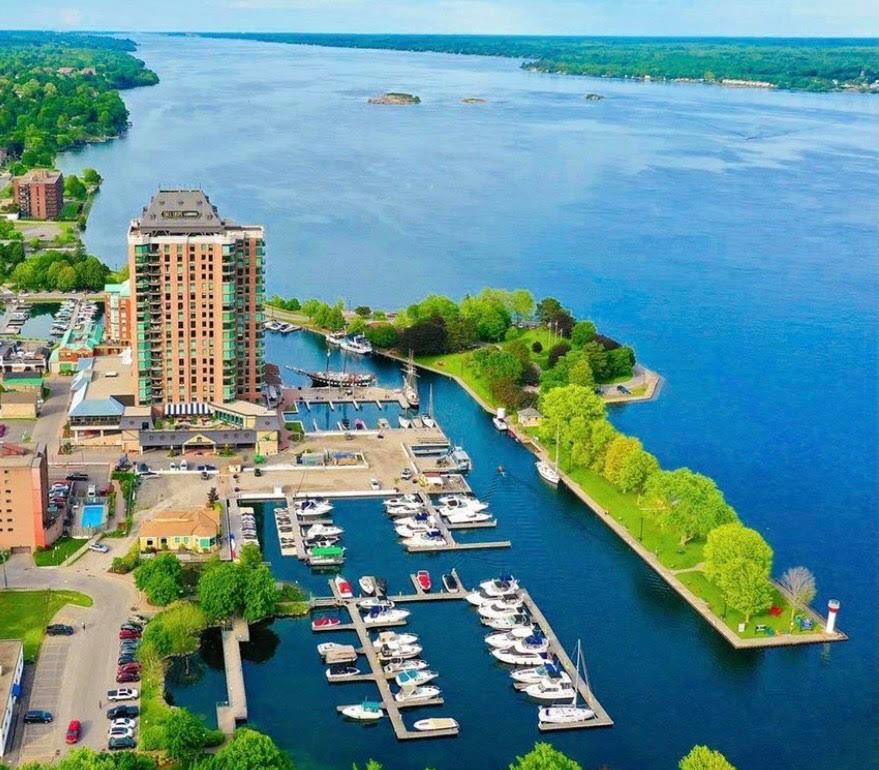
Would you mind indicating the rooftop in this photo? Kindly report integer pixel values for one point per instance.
(10, 651)
(19, 397)
(180, 211)
(102, 386)
(40, 175)
(197, 522)
(122, 289)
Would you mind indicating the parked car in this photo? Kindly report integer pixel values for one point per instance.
(127, 633)
(123, 722)
(132, 626)
(37, 717)
(120, 732)
(128, 645)
(125, 711)
(59, 629)
(257, 472)
(142, 619)
(129, 668)
(77, 476)
(126, 742)
(73, 732)
(123, 693)
(99, 547)
(124, 677)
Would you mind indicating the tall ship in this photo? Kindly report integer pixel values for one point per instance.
(333, 379)
(410, 388)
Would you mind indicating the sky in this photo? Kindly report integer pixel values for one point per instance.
(776, 18)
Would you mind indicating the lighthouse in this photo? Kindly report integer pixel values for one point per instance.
(832, 609)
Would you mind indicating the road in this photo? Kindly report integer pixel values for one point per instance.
(72, 674)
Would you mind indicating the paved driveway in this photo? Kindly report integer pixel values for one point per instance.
(73, 673)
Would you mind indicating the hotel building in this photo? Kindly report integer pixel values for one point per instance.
(196, 283)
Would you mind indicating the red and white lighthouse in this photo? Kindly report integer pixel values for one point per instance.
(832, 610)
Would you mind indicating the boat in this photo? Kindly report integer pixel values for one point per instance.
(506, 640)
(427, 539)
(402, 500)
(335, 339)
(312, 507)
(572, 714)
(332, 379)
(321, 530)
(367, 585)
(535, 644)
(359, 424)
(429, 422)
(398, 664)
(453, 503)
(550, 473)
(390, 638)
(424, 581)
(404, 509)
(404, 422)
(456, 459)
(411, 694)
(375, 603)
(324, 623)
(480, 598)
(517, 658)
(551, 690)
(386, 654)
(432, 724)
(368, 711)
(325, 648)
(408, 531)
(343, 587)
(357, 344)
(500, 420)
(323, 542)
(505, 585)
(506, 622)
(537, 673)
(382, 617)
(498, 609)
(326, 556)
(421, 520)
(340, 671)
(415, 677)
(410, 389)
(450, 583)
(467, 517)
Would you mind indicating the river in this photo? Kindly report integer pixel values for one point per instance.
(729, 235)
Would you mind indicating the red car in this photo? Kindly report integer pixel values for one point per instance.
(124, 677)
(129, 633)
(73, 731)
(127, 668)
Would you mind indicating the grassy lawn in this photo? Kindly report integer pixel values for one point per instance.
(624, 508)
(58, 552)
(25, 614)
(546, 338)
(459, 365)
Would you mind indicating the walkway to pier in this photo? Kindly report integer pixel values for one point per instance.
(234, 710)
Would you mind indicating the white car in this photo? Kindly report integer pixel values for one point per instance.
(125, 724)
(123, 693)
(99, 547)
(120, 732)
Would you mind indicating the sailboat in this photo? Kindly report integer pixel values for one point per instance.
(547, 716)
(428, 419)
(410, 389)
(550, 473)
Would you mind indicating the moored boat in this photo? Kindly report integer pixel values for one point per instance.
(502, 586)
(413, 694)
(435, 723)
(397, 665)
(424, 581)
(367, 585)
(368, 711)
(373, 602)
(415, 677)
(534, 674)
(340, 671)
(383, 617)
(343, 587)
(512, 658)
(390, 639)
(551, 690)
(564, 715)
(387, 654)
(506, 622)
(325, 623)
(450, 583)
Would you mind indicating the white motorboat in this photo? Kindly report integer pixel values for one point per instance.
(564, 715)
(343, 587)
(551, 690)
(506, 622)
(413, 694)
(327, 647)
(428, 421)
(467, 517)
(321, 530)
(384, 617)
(536, 644)
(391, 639)
(415, 677)
(373, 602)
(387, 654)
(357, 344)
(404, 509)
(407, 532)
(404, 422)
(502, 586)
(402, 500)
(312, 507)
(335, 339)
(550, 472)
(506, 640)
(341, 672)
(425, 539)
(500, 420)
(498, 609)
(461, 503)
(398, 665)
(478, 598)
(539, 674)
(513, 658)
(433, 724)
(367, 585)
(419, 521)
(368, 711)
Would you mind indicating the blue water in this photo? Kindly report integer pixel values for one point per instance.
(729, 235)
(93, 515)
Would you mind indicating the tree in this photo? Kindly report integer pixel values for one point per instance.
(74, 188)
(522, 302)
(597, 360)
(703, 758)
(547, 308)
(800, 584)
(91, 177)
(601, 433)
(569, 412)
(221, 590)
(213, 496)
(251, 750)
(583, 332)
(687, 503)
(161, 579)
(364, 311)
(581, 374)
(461, 334)
(545, 757)
(498, 364)
(249, 556)
(730, 542)
(489, 314)
(382, 335)
(433, 306)
(424, 338)
(745, 587)
(620, 361)
(556, 352)
(260, 592)
(627, 465)
(507, 392)
(185, 735)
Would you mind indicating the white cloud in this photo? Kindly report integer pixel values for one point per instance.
(71, 17)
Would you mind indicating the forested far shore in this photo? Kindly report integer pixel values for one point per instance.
(807, 64)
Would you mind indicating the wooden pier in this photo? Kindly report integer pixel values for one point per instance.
(450, 544)
(234, 710)
(347, 395)
(601, 718)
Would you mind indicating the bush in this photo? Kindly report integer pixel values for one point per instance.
(536, 346)
(122, 565)
(383, 335)
(556, 352)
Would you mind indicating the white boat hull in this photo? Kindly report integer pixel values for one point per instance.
(549, 474)
(435, 723)
(417, 694)
(550, 691)
(564, 715)
(361, 714)
(516, 658)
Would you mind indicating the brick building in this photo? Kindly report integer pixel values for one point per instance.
(39, 194)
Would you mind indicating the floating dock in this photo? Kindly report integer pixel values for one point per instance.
(450, 543)
(234, 709)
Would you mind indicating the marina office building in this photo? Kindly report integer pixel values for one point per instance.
(197, 290)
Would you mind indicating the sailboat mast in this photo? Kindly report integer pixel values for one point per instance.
(576, 676)
(557, 448)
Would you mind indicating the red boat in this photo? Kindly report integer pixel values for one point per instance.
(423, 578)
(325, 623)
(343, 587)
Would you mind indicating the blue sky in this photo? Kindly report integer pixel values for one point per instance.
(856, 18)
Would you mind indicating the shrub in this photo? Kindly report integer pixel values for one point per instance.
(536, 346)
(556, 352)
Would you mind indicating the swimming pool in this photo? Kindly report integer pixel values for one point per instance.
(93, 514)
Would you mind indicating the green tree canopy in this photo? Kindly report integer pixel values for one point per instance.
(583, 332)
(730, 542)
(545, 757)
(250, 750)
(703, 758)
(160, 578)
(383, 335)
(221, 590)
(185, 735)
(745, 587)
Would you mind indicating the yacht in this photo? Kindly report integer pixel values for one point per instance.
(432, 537)
(387, 654)
(398, 665)
(412, 694)
(410, 389)
(517, 658)
(335, 339)
(435, 723)
(506, 622)
(375, 603)
(498, 609)
(383, 617)
(505, 585)
(500, 420)
(450, 583)
(368, 711)
(404, 509)
(312, 507)
(343, 587)
(321, 530)
(572, 714)
(391, 639)
(467, 517)
(536, 644)
(429, 422)
(404, 422)
(340, 672)
(415, 677)
(539, 673)
(550, 472)
(455, 503)
(357, 344)
(506, 640)
(367, 585)
(402, 500)
(551, 689)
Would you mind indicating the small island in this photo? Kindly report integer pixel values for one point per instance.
(393, 97)
(473, 100)
(593, 97)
